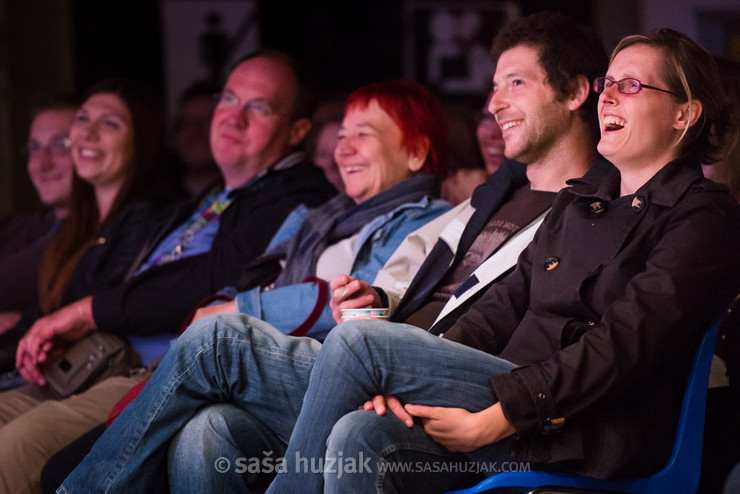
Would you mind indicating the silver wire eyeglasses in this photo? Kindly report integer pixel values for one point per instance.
(254, 107)
(625, 86)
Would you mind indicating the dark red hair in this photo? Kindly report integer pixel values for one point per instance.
(416, 111)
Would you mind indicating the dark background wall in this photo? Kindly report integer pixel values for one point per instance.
(60, 45)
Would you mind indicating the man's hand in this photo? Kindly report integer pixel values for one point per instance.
(380, 403)
(461, 431)
(349, 293)
(68, 324)
(8, 320)
(209, 310)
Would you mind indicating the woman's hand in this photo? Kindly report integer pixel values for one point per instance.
(68, 324)
(349, 293)
(209, 310)
(461, 431)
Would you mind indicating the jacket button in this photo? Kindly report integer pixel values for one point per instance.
(551, 263)
(597, 207)
(541, 396)
(638, 203)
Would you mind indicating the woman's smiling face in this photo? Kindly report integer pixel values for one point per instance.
(638, 130)
(369, 153)
(102, 137)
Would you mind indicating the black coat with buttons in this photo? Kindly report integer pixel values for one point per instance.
(603, 313)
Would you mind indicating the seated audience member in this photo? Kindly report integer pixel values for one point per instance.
(323, 139)
(727, 170)
(111, 211)
(191, 139)
(24, 237)
(466, 162)
(261, 117)
(490, 138)
(259, 414)
(577, 360)
(462, 181)
(722, 429)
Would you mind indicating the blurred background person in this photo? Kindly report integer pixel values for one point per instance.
(722, 429)
(466, 168)
(727, 170)
(193, 161)
(24, 237)
(476, 152)
(323, 137)
(490, 139)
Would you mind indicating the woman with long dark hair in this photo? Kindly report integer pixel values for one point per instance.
(116, 144)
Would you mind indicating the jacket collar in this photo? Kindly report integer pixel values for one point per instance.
(510, 174)
(665, 188)
(284, 163)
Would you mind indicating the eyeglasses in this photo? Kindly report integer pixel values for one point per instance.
(57, 146)
(625, 86)
(255, 108)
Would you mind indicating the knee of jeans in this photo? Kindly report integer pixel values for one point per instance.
(357, 431)
(209, 329)
(362, 332)
(196, 333)
(203, 429)
(199, 439)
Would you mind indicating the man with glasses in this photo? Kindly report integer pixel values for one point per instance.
(258, 125)
(23, 238)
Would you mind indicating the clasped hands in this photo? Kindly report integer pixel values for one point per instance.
(456, 429)
(50, 335)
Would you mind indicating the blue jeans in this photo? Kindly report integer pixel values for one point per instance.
(217, 449)
(359, 360)
(220, 359)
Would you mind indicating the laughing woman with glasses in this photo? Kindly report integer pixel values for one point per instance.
(578, 359)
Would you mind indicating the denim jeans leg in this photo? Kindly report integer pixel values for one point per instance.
(361, 359)
(379, 454)
(223, 449)
(225, 358)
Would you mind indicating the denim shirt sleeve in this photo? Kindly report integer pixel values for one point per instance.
(287, 307)
(380, 239)
(290, 226)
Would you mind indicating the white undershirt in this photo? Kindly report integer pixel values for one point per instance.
(337, 259)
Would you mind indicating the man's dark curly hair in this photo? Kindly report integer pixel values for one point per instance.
(566, 49)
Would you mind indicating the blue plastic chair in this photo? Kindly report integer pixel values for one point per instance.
(681, 473)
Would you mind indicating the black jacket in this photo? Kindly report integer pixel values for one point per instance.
(604, 312)
(158, 300)
(23, 240)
